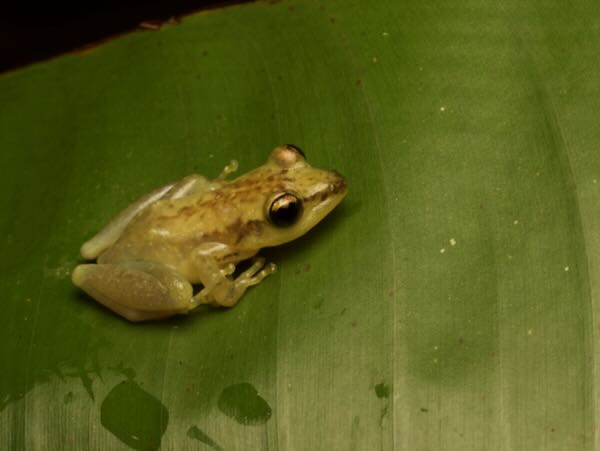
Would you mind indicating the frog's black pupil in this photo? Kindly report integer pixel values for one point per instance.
(297, 149)
(285, 210)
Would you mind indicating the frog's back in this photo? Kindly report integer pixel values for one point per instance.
(170, 229)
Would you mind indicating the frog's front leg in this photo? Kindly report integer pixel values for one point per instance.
(219, 286)
(232, 167)
(138, 291)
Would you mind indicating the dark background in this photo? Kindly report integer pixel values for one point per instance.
(31, 32)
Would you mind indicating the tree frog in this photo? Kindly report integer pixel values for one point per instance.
(196, 230)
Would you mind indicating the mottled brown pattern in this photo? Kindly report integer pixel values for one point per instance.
(186, 211)
(332, 189)
(236, 232)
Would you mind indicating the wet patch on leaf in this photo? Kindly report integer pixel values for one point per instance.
(197, 434)
(382, 390)
(134, 416)
(242, 403)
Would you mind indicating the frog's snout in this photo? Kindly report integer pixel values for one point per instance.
(339, 185)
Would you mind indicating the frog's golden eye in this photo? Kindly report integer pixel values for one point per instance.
(285, 209)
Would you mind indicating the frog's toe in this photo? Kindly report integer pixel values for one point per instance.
(256, 273)
(78, 275)
(138, 291)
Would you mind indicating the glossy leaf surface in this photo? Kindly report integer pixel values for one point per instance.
(448, 303)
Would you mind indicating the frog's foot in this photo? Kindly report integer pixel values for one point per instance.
(138, 291)
(229, 169)
(227, 292)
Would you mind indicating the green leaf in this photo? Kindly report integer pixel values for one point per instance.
(449, 303)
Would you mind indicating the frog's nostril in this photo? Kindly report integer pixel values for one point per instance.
(340, 185)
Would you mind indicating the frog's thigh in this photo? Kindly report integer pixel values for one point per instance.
(220, 288)
(138, 291)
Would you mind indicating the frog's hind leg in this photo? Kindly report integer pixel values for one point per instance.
(138, 291)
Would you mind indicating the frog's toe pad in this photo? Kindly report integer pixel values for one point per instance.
(256, 273)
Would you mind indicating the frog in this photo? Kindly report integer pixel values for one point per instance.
(178, 247)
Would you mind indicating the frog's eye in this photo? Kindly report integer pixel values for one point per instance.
(296, 149)
(287, 155)
(285, 210)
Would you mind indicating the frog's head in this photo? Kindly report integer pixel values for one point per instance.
(304, 194)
